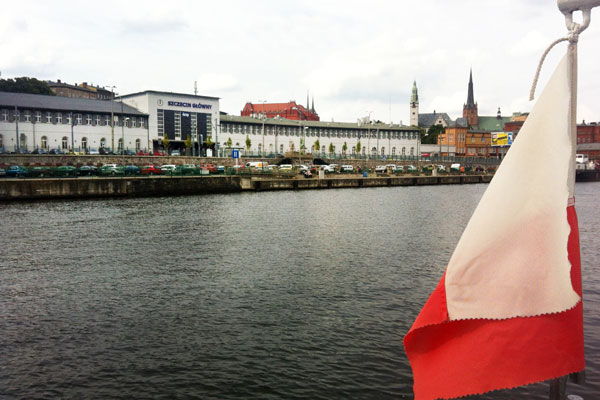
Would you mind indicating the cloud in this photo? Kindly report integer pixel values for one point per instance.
(217, 82)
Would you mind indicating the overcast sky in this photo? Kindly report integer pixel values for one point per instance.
(354, 57)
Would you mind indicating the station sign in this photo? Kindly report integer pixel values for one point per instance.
(235, 153)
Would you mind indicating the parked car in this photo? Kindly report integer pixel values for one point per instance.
(158, 153)
(39, 151)
(392, 167)
(131, 170)
(17, 171)
(2, 172)
(380, 169)
(111, 169)
(105, 151)
(455, 167)
(168, 169)
(40, 172)
(285, 167)
(175, 153)
(221, 169)
(150, 170)
(212, 168)
(93, 152)
(189, 169)
(411, 169)
(65, 171)
(346, 168)
(56, 151)
(88, 170)
(143, 153)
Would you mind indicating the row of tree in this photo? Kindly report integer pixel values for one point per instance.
(25, 85)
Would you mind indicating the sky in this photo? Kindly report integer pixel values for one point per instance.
(355, 58)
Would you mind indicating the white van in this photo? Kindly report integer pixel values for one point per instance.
(582, 159)
(257, 164)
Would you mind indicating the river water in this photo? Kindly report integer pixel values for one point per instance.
(272, 295)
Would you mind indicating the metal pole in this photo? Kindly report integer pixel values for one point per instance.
(112, 118)
(72, 135)
(17, 127)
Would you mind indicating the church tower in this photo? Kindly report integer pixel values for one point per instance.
(414, 106)
(470, 109)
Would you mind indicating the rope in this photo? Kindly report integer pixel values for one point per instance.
(539, 68)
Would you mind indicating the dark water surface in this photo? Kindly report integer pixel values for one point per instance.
(287, 295)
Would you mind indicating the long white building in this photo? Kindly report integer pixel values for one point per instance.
(278, 136)
(29, 121)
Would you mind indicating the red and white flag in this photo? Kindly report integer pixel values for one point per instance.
(508, 310)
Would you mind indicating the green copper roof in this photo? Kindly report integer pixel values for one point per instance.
(414, 98)
(493, 124)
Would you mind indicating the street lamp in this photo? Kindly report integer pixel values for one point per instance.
(264, 116)
(112, 117)
(123, 134)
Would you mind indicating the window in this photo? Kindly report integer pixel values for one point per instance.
(412, 151)
(404, 151)
(84, 143)
(79, 119)
(107, 120)
(27, 116)
(138, 144)
(38, 116)
(451, 137)
(120, 144)
(142, 125)
(483, 139)
(102, 142)
(69, 118)
(65, 143)
(281, 149)
(383, 151)
(48, 117)
(393, 151)
(97, 119)
(59, 120)
(4, 115)
(44, 142)
(1, 142)
(88, 119)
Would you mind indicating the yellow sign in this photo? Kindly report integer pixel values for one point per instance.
(502, 139)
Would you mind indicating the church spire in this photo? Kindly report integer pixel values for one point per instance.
(312, 108)
(414, 98)
(470, 97)
(307, 103)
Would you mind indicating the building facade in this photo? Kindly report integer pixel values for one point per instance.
(29, 122)
(290, 110)
(277, 136)
(177, 117)
(81, 91)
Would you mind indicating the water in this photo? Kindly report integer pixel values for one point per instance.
(275, 295)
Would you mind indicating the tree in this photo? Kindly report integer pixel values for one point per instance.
(188, 144)
(25, 85)
(208, 141)
(165, 143)
(432, 134)
(248, 143)
(344, 148)
(331, 148)
(229, 142)
(358, 147)
(317, 145)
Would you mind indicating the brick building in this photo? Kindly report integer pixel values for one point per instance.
(290, 110)
(80, 91)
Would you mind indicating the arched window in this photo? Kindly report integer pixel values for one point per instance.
(23, 141)
(83, 143)
(323, 149)
(138, 144)
(1, 142)
(383, 151)
(44, 142)
(393, 151)
(102, 143)
(353, 150)
(260, 148)
(65, 143)
(374, 151)
(404, 151)
(120, 145)
(412, 151)
(281, 149)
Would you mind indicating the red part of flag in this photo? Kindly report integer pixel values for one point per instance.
(451, 359)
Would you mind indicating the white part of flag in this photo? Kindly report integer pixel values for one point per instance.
(512, 258)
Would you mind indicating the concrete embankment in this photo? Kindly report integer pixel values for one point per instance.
(57, 188)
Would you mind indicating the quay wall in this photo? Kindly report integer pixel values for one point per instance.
(85, 187)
